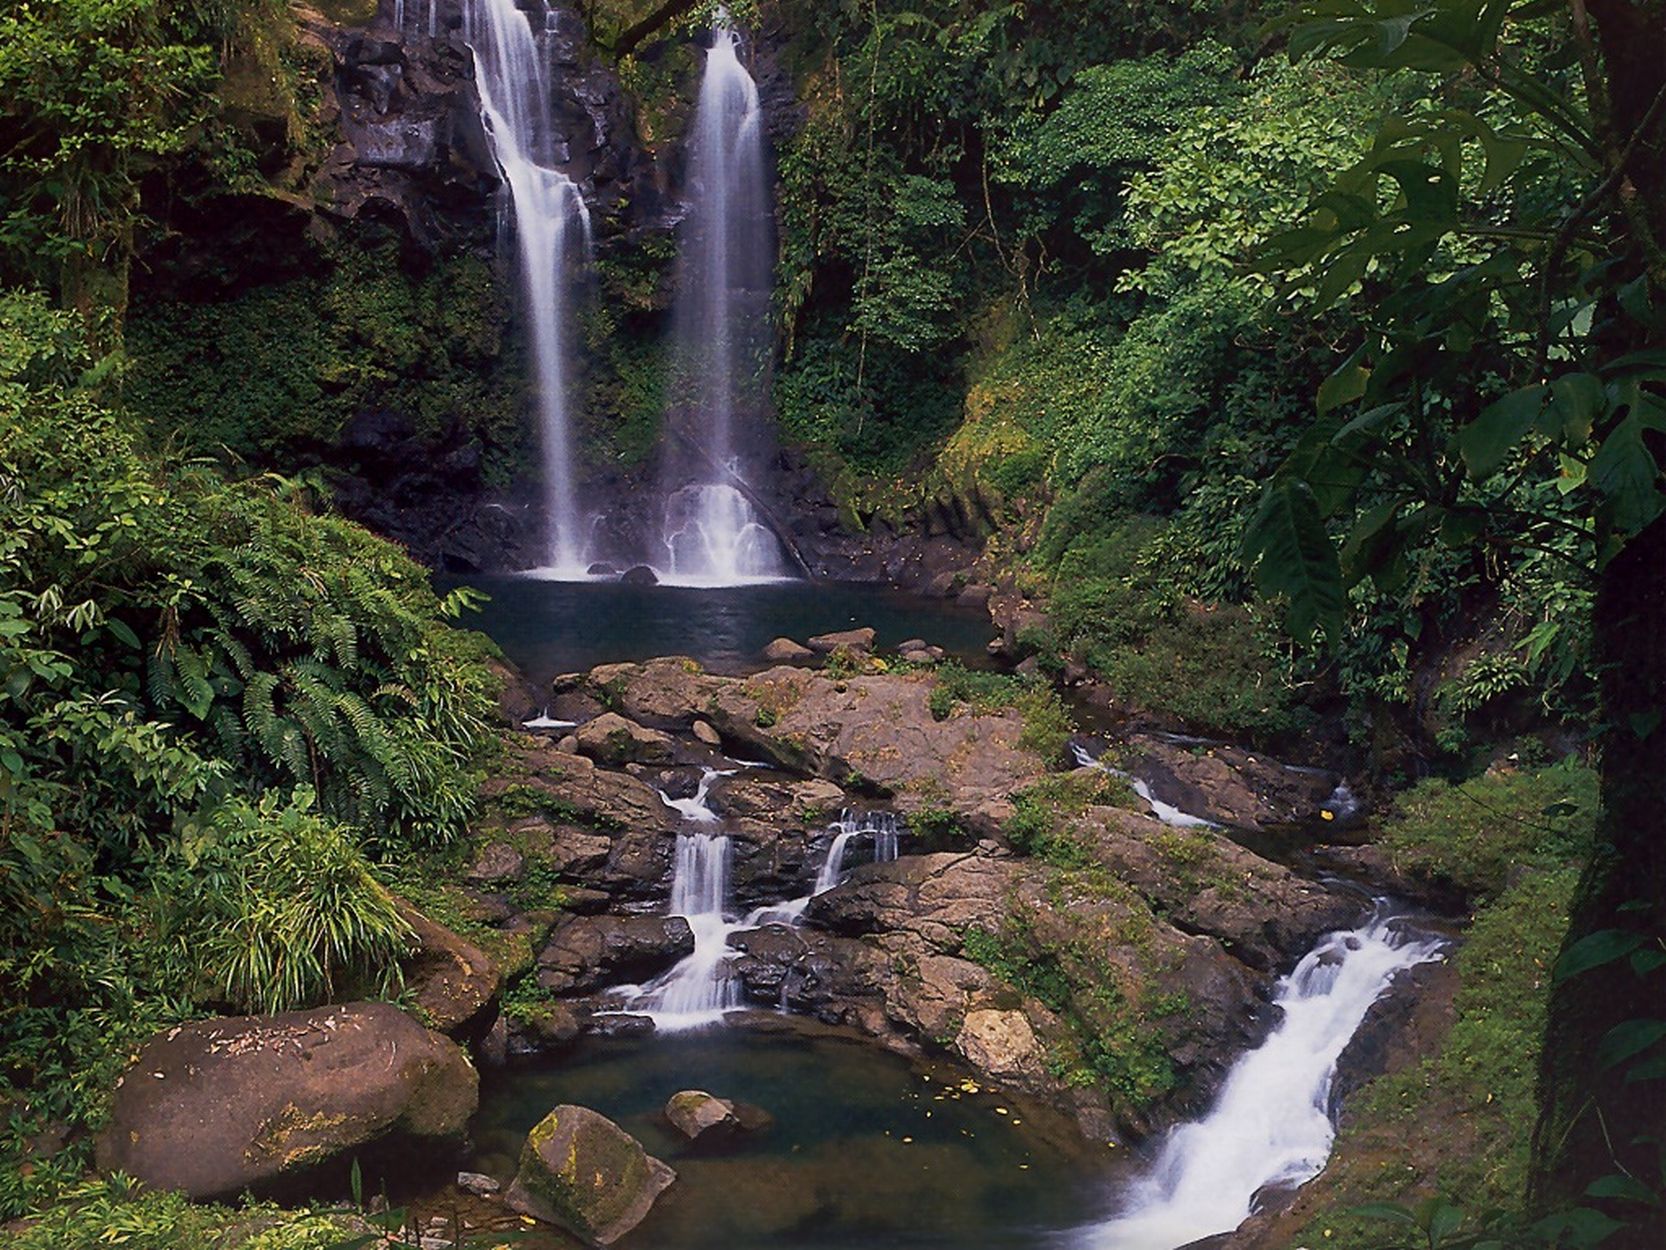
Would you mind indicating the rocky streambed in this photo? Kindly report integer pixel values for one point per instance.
(926, 875)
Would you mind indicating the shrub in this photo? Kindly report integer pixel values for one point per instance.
(285, 910)
(1474, 834)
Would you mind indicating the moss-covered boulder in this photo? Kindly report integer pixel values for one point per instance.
(583, 1172)
(221, 1106)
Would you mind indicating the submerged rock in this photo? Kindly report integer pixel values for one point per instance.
(640, 575)
(221, 1106)
(581, 1171)
(696, 1115)
(601, 569)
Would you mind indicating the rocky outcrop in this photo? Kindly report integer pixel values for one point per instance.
(221, 1106)
(611, 739)
(1205, 883)
(453, 982)
(581, 1171)
(875, 732)
(588, 953)
(1229, 784)
(1108, 963)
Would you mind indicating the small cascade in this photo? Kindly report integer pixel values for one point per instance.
(696, 807)
(713, 536)
(833, 867)
(551, 231)
(1270, 1125)
(698, 990)
(1165, 812)
(1342, 805)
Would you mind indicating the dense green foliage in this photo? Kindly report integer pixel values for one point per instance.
(213, 700)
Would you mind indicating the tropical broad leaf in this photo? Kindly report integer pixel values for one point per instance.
(1486, 441)
(1594, 950)
(1296, 558)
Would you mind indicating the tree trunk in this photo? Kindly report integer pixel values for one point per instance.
(1593, 1123)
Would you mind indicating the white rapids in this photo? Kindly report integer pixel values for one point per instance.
(1271, 1122)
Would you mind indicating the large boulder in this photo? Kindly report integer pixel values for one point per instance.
(611, 739)
(453, 981)
(221, 1106)
(583, 1172)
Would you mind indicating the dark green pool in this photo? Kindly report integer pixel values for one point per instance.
(867, 1150)
(548, 627)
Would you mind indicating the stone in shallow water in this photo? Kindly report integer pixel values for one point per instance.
(855, 639)
(783, 650)
(602, 569)
(583, 1172)
(641, 575)
(697, 1115)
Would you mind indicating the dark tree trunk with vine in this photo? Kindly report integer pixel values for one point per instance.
(1594, 1122)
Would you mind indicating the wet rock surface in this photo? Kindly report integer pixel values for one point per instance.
(1138, 944)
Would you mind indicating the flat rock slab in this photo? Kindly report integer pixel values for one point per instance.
(221, 1106)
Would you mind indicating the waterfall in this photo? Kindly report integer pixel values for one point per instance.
(1165, 812)
(833, 866)
(696, 808)
(551, 227)
(713, 536)
(1270, 1124)
(711, 532)
(699, 989)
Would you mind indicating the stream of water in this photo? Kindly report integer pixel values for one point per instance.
(700, 990)
(1270, 1127)
(712, 533)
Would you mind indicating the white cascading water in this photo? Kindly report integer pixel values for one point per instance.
(1165, 812)
(713, 537)
(551, 223)
(1271, 1123)
(712, 533)
(700, 989)
(696, 807)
